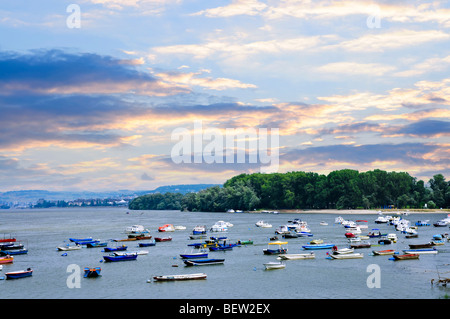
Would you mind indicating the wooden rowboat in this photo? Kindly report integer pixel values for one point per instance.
(383, 252)
(6, 260)
(406, 256)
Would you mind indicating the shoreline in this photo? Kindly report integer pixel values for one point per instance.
(360, 211)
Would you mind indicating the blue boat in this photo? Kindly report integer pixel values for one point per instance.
(202, 262)
(221, 247)
(92, 272)
(318, 246)
(118, 248)
(13, 252)
(276, 251)
(194, 255)
(122, 257)
(19, 274)
(85, 242)
(147, 244)
(94, 245)
(80, 239)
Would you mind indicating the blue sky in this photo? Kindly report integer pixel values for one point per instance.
(349, 84)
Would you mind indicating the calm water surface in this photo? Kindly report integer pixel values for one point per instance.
(241, 276)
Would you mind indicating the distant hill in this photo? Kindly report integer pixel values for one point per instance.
(27, 196)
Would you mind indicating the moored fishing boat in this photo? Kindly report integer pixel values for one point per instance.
(360, 245)
(19, 274)
(166, 228)
(417, 246)
(80, 239)
(346, 256)
(117, 248)
(275, 251)
(297, 256)
(406, 256)
(201, 254)
(68, 247)
(153, 243)
(121, 257)
(95, 245)
(92, 272)
(199, 230)
(161, 239)
(202, 262)
(179, 277)
(13, 252)
(274, 265)
(341, 251)
(7, 259)
(318, 246)
(263, 224)
(136, 230)
(421, 251)
(383, 252)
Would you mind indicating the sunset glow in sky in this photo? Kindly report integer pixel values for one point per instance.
(349, 84)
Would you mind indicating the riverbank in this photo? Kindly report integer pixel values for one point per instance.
(363, 211)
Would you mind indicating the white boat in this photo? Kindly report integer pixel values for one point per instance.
(220, 226)
(282, 229)
(166, 228)
(392, 237)
(338, 220)
(1, 267)
(323, 224)
(347, 256)
(382, 220)
(230, 211)
(69, 247)
(179, 227)
(263, 224)
(136, 230)
(343, 251)
(179, 277)
(354, 230)
(296, 256)
(362, 224)
(274, 265)
(421, 251)
(298, 226)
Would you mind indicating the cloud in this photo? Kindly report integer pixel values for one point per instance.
(59, 72)
(426, 128)
(237, 7)
(354, 68)
(195, 79)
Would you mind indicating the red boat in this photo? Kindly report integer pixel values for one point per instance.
(350, 235)
(406, 256)
(158, 239)
(7, 259)
(6, 240)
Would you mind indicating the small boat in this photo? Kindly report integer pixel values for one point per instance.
(8, 239)
(263, 224)
(245, 242)
(160, 239)
(126, 239)
(382, 220)
(376, 234)
(221, 247)
(95, 245)
(417, 246)
(392, 237)
(19, 274)
(360, 245)
(7, 259)
(346, 256)
(198, 230)
(192, 255)
(297, 256)
(136, 230)
(383, 252)
(290, 235)
(179, 277)
(384, 241)
(13, 252)
(323, 224)
(11, 246)
(147, 244)
(80, 239)
(316, 241)
(142, 237)
(276, 251)
(92, 272)
(362, 224)
(412, 235)
(342, 251)
(202, 236)
(68, 247)
(406, 256)
(318, 246)
(202, 262)
(421, 251)
(121, 257)
(117, 248)
(423, 223)
(274, 265)
(166, 228)
(179, 227)
(85, 242)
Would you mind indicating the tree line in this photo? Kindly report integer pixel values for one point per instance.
(341, 189)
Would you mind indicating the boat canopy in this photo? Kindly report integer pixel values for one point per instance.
(278, 243)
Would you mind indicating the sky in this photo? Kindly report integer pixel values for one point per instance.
(92, 92)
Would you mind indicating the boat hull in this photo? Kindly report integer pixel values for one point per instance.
(347, 256)
(297, 256)
(199, 276)
(421, 251)
(383, 252)
(191, 256)
(406, 257)
(19, 274)
(92, 272)
(203, 262)
(274, 265)
(318, 246)
(116, 258)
